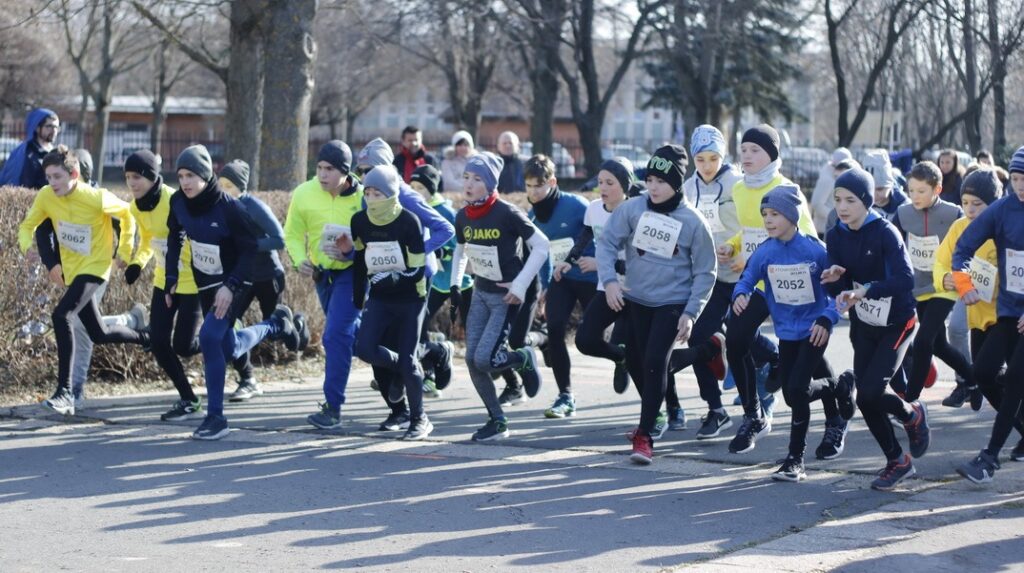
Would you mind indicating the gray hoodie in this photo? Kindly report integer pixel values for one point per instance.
(720, 189)
(686, 277)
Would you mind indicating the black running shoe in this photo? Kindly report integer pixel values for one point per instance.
(419, 429)
(511, 396)
(1017, 454)
(957, 397)
(846, 394)
(395, 421)
(620, 378)
(833, 442)
(529, 371)
(494, 429)
(792, 469)
(680, 359)
(712, 425)
(976, 397)
(184, 410)
(286, 321)
(750, 430)
(302, 327)
(894, 472)
(62, 402)
(917, 430)
(443, 370)
(214, 427)
(981, 469)
(396, 390)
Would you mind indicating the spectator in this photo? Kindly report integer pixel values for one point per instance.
(983, 157)
(511, 179)
(952, 175)
(821, 199)
(455, 160)
(411, 153)
(24, 166)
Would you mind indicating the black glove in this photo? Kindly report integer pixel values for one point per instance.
(455, 302)
(131, 274)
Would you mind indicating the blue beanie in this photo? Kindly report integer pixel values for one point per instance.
(487, 166)
(860, 183)
(1017, 163)
(707, 138)
(622, 169)
(383, 178)
(785, 199)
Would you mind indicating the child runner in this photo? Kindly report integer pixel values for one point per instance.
(791, 263)
(560, 217)
(871, 274)
(225, 256)
(388, 243)
(490, 233)
(1002, 223)
(924, 223)
(82, 216)
(889, 196)
(670, 272)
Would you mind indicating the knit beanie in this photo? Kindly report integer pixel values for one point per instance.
(487, 166)
(1017, 162)
(196, 159)
(840, 154)
(338, 154)
(622, 169)
(237, 172)
(707, 138)
(877, 163)
(766, 137)
(383, 178)
(462, 135)
(983, 184)
(428, 176)
(785, 199)
(143, 162)
(669, 164)
(375, 153)
(860, 183)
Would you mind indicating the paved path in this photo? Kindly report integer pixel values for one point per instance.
(117, 490)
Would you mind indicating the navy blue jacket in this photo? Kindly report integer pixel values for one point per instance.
(874, 254)
(1003, 222)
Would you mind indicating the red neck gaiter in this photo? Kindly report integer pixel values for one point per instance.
(478, 211)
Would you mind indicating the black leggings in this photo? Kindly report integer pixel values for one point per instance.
(805, 376)
(1002, 344)
(78, 299)
(653, 332)
(435, 300)
(989, 375)
(878, 353)
(931, 339)
(561, 300)
(520, 328)
(740, 333)
(184, 341)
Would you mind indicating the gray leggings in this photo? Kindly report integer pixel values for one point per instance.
(487, 328)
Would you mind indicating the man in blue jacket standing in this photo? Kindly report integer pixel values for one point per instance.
(24, 166)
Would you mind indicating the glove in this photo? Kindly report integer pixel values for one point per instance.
(455, 302)
(131, 273)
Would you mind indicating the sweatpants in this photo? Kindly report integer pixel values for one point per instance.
(388, 338)
(1003, 344)
(558, 306)
(220, 343)
(931, 339)
(487, 333)
(82, 358)
(334, 289)
(959, 332)
(79, 300)
(878, 352)
(653, 330)
(800, 373)
(174, 333)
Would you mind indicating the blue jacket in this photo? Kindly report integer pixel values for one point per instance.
(897, 198)
(1003, 222)
(443, 277)
(436, 229)
(874, 254)
(24, 165)
(566, 222)
(271, 239)
(218, 220)
(792, 322)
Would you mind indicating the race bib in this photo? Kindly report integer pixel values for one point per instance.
(709, 209)
(791, 284)
(922, 251)
(559, 249)
(330, 234)
(657, 234)
(384, 257)
(484, 259)
(160, 247)
(77, 238)
(984, 277)
(1015, 271)
(874, 312)
(206, 258)
(752, 239)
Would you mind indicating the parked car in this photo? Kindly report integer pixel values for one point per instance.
(565, 165)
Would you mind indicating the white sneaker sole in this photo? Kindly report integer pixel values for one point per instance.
(640, 459)
(63, 411)
(211, 437)
(718, 432)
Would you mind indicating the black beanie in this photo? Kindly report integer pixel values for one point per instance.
(766, 137)
(237, 172)
(669, 164)
(860, 183)
(983, 184)
(144, 163)
(196, 158)
(622, 169)
(338, 154)
(427, 176)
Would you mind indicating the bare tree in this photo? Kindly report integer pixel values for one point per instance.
(28, 70)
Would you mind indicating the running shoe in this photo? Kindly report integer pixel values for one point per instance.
(511, 396)
(286, 322)
(676, 419)
(395, 421)
(247, 389)
(717, 364)
(846, 394)
(494, 429)
(62, 402)
(564, 407)
(894, 472)
(302, 327)
(140, 317)
(712, 425)
(327, 418)
(981, 469)
(79, 397)
(792, 469)
(643, 448)
(933, 375)
(529, 372)
(430, 389)
(419, 429)
(620, 378)
(660, 426)
(184, 410)
(750, 430)
(1017, 454)
(214, 427)
(443, 369)
(833, 442)
(976, 397)
(957, 397)
(918, 432)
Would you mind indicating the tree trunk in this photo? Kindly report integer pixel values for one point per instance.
(999, 148)
(244, 86)
(972, 124)
(544, 75)
(590, 140)
(289, 61)
(99, 137)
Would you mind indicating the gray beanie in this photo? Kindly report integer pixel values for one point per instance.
(337, 153)
(237, 172)
(375, 153)
(785, 199)
(383, 178)
(877, 163)
(622, 169)
(196, 159)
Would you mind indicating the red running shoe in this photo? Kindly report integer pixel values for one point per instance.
(643, 448)
(933, 375)
(717, 364)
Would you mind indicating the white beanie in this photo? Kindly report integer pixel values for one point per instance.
(460, 135)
